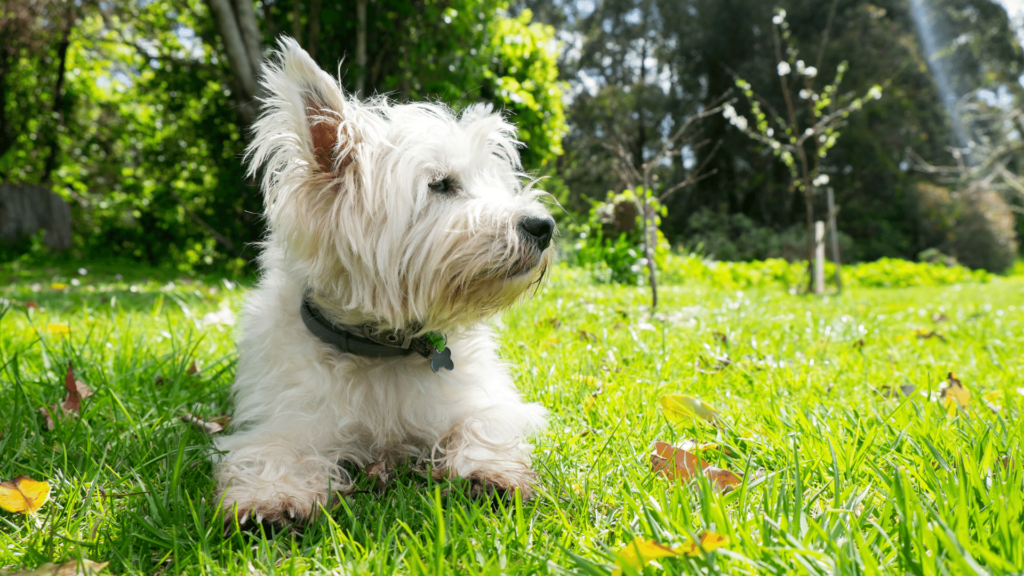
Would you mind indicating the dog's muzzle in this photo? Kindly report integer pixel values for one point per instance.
(537, 231)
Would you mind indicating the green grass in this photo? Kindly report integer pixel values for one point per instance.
(850, 481)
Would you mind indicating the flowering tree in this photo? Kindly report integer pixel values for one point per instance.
(802, 149)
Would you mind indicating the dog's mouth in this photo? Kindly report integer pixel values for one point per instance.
(524, 264)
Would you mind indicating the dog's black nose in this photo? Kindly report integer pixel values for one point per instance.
(537, 230)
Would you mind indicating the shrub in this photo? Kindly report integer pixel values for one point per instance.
(776, 272)
(976, 226)
(610, 242)
(735, 237)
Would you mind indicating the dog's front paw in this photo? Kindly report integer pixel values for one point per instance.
(277, 506)
(490, 483)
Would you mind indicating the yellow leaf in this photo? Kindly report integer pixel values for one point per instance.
(708, 541)
(639, 553)
(23, 494)
(680, 408)
(59, 329)
(71, 568)
(954, 394)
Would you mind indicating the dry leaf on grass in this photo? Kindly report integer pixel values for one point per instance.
(193, 369)
(708, 541)
(639, 553)
(23, 494)
(677, 464)
(891, 392)
(926, 335)
(206, 427)
(954, 394)
(70, 568)
(681, 408)
(72, 404)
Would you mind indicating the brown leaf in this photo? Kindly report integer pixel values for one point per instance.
(208, 428)
(587, 336)
(721, 363)
(922, 335)
(891, 392)
(76, 391)
(378, 471)
(678, 464)
(159, 380)
(72, 404)
(553, 322)
(939, 317)
(31, 305)
(193, 369)
(720, 337)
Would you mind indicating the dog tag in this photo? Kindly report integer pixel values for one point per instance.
(442, 359)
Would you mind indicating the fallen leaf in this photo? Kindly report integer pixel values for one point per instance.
(159, 381)
(208, 428)
(708, 541)
(939, 317)
(639, 553)
(721, 363)
(23, 494)
(587, 336)
(378, 471)
(954, 394)
(59, 329)
(193, 369)
(890, 392)
(720, 337)
(553, 322)
(85, 567)
(681, 408)
(677, 464)
(72, 404)
(923, 335)
(31, 305)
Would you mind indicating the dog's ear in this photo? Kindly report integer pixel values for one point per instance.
(306, 116)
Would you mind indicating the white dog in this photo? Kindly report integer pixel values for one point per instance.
(395, 231)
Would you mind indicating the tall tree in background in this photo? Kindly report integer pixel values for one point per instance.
(695, 49)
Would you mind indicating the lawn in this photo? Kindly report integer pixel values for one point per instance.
(844, 474)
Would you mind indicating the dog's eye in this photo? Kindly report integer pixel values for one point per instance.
(445, 185)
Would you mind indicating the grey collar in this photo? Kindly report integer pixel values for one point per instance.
(369, 340)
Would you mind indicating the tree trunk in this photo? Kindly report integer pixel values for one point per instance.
(58, 100)
(239, 31)
(314, 28)
(28, 208)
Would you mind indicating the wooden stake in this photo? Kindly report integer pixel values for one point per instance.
(833, 230)
(819, 257)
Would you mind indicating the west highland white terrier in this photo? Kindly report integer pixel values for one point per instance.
(395, 231)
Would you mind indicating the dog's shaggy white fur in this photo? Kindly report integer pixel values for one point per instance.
(359, 223)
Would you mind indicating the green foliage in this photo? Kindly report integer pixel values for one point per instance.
(151, 146)
(610, 242)
(775, 272)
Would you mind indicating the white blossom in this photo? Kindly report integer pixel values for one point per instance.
(769, 132)
(821, 180)
(740, 122)
(800, 67)
(779, 18)
(875, 92)
(728, 112)
(805, 93)
(810, 71)
(784, 68)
